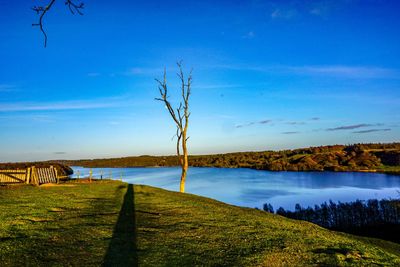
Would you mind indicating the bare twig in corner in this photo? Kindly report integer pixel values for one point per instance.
(42, 10)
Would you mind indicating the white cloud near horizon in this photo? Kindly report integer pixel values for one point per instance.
(345, 71)
(37, 118)
(60, 105)
(376, 99)
(342, 71)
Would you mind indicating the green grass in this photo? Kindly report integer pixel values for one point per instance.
(389, 169)
(113, 224)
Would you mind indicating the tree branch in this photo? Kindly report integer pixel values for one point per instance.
(72, 6)
(42, 10)
(163, 89)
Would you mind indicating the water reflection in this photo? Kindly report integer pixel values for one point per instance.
(252, 188)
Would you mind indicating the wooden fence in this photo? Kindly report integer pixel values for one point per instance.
(30, 175)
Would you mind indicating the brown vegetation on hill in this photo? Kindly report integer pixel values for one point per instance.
(358, 157)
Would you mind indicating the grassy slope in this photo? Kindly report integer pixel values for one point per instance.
(89, 224)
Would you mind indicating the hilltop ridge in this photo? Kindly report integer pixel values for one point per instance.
(357, 157)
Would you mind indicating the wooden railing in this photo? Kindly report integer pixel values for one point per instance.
(30, 175)
(13, 176)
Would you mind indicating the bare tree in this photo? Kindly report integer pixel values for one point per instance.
(180, 117)
(42, 10)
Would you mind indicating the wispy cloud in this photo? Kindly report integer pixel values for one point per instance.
(218, 86)
(249, 35)
(295, 122)
(372, 131)
(60, 153)
(40, 118)
(360, 72)
(43, 118)
(93, 74)
(270, 123)
(300, 8)
(64, 105)
(344, 71)
(365, 97)
(315, 119)
(281, 13)
(319, 11)
(134, 71)
(253, 123)
(143, 71)
(321, 8)
(352, 127)
(222, 116)
(290, 132)
(245, 125)
(7, 88)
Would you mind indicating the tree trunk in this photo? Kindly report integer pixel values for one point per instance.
(183, 179)
(184, 163)
(180, 117)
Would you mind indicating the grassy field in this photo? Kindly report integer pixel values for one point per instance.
(114, 224)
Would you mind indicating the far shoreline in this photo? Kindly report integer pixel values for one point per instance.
(306, 171)
(372, 157)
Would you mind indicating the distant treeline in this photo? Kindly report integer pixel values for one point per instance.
(61, 168)
(357, 157)
(372, 218)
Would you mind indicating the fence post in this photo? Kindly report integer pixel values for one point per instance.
(51, 173)
(58, 178)
(28, 175)
(90, 175)
(34, 176)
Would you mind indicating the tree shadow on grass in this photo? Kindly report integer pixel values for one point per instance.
(122, 250)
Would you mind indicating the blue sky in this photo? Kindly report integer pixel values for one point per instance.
(267, 75)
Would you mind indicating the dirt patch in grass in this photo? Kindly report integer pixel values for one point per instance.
(52, 185)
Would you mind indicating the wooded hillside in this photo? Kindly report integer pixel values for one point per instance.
(357, 157)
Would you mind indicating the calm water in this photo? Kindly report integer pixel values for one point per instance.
(252, 188)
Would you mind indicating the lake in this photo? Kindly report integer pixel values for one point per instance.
(253, 188)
